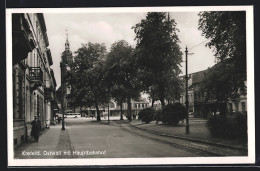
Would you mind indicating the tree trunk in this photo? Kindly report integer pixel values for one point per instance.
(162, 102)
(121, 110)
(129, 112)
(98, 112)
(223, 108)
(80, 111)
(153, 100)
(161, 93)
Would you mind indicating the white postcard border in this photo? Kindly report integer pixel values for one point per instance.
(136, 161)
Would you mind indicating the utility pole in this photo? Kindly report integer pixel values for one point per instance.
(62, 66)
(187, 100)
(108, 113)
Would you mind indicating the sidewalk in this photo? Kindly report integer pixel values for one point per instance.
(198, 132)
(51, 140)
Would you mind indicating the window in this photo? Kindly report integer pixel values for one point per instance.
(38, 105)
(243, 106)
(230, 107)
(236, 106)
(14, 92)
(20, 97)
(15, 141)
(22, 138)
(37, 31)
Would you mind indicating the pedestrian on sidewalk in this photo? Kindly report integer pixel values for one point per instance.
(36, 128)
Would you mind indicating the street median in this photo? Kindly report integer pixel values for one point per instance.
(198, 133)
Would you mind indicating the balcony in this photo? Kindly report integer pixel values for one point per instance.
(22, 38)
(36, 75)
(48, 94)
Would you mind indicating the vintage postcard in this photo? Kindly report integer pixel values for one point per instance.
(130, 86)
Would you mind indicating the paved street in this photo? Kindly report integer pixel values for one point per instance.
(85, 138)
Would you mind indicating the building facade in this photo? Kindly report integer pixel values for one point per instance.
(115, 110)
(33, 80)
(182, 99)
(202, 105)
(238, 104)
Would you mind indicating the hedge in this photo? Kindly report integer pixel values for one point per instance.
(147, 115)
(228, 126)
(173, 113)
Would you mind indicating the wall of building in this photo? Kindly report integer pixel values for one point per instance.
(204, 107)
(240, 105)
(29, 97)
(19, 131)
(190, 100)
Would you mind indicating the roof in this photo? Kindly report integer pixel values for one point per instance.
(53, 77)
(198, 77)
(49, 56)
(43, 27)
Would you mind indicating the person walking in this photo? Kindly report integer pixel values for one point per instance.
(36, 128)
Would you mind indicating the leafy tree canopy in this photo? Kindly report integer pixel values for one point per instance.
(158, 53)
(122, 73)
(86, 76)
(227, 34)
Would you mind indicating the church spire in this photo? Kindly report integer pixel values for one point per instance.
(67, 44)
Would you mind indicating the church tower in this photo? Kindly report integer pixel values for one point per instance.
(66, 60)
(67, 54)
(67, 44)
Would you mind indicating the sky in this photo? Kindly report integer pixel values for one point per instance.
(110, 27)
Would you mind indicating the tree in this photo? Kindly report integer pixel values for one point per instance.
(174, 88)
(227, 34)
(87, 77)
(158, 53)
(122, 74)
(76, 98)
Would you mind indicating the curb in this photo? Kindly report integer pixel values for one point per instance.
(182, 137)
(183, 147)
(192, 139)
(105, 122)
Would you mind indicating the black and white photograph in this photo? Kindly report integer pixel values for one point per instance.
(130, 86)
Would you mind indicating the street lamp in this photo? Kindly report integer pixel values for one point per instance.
(187, 100)
(108, 113)
(62, 94)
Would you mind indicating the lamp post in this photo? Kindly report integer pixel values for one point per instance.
(187, 100)
(108, 113)
(62, 66)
